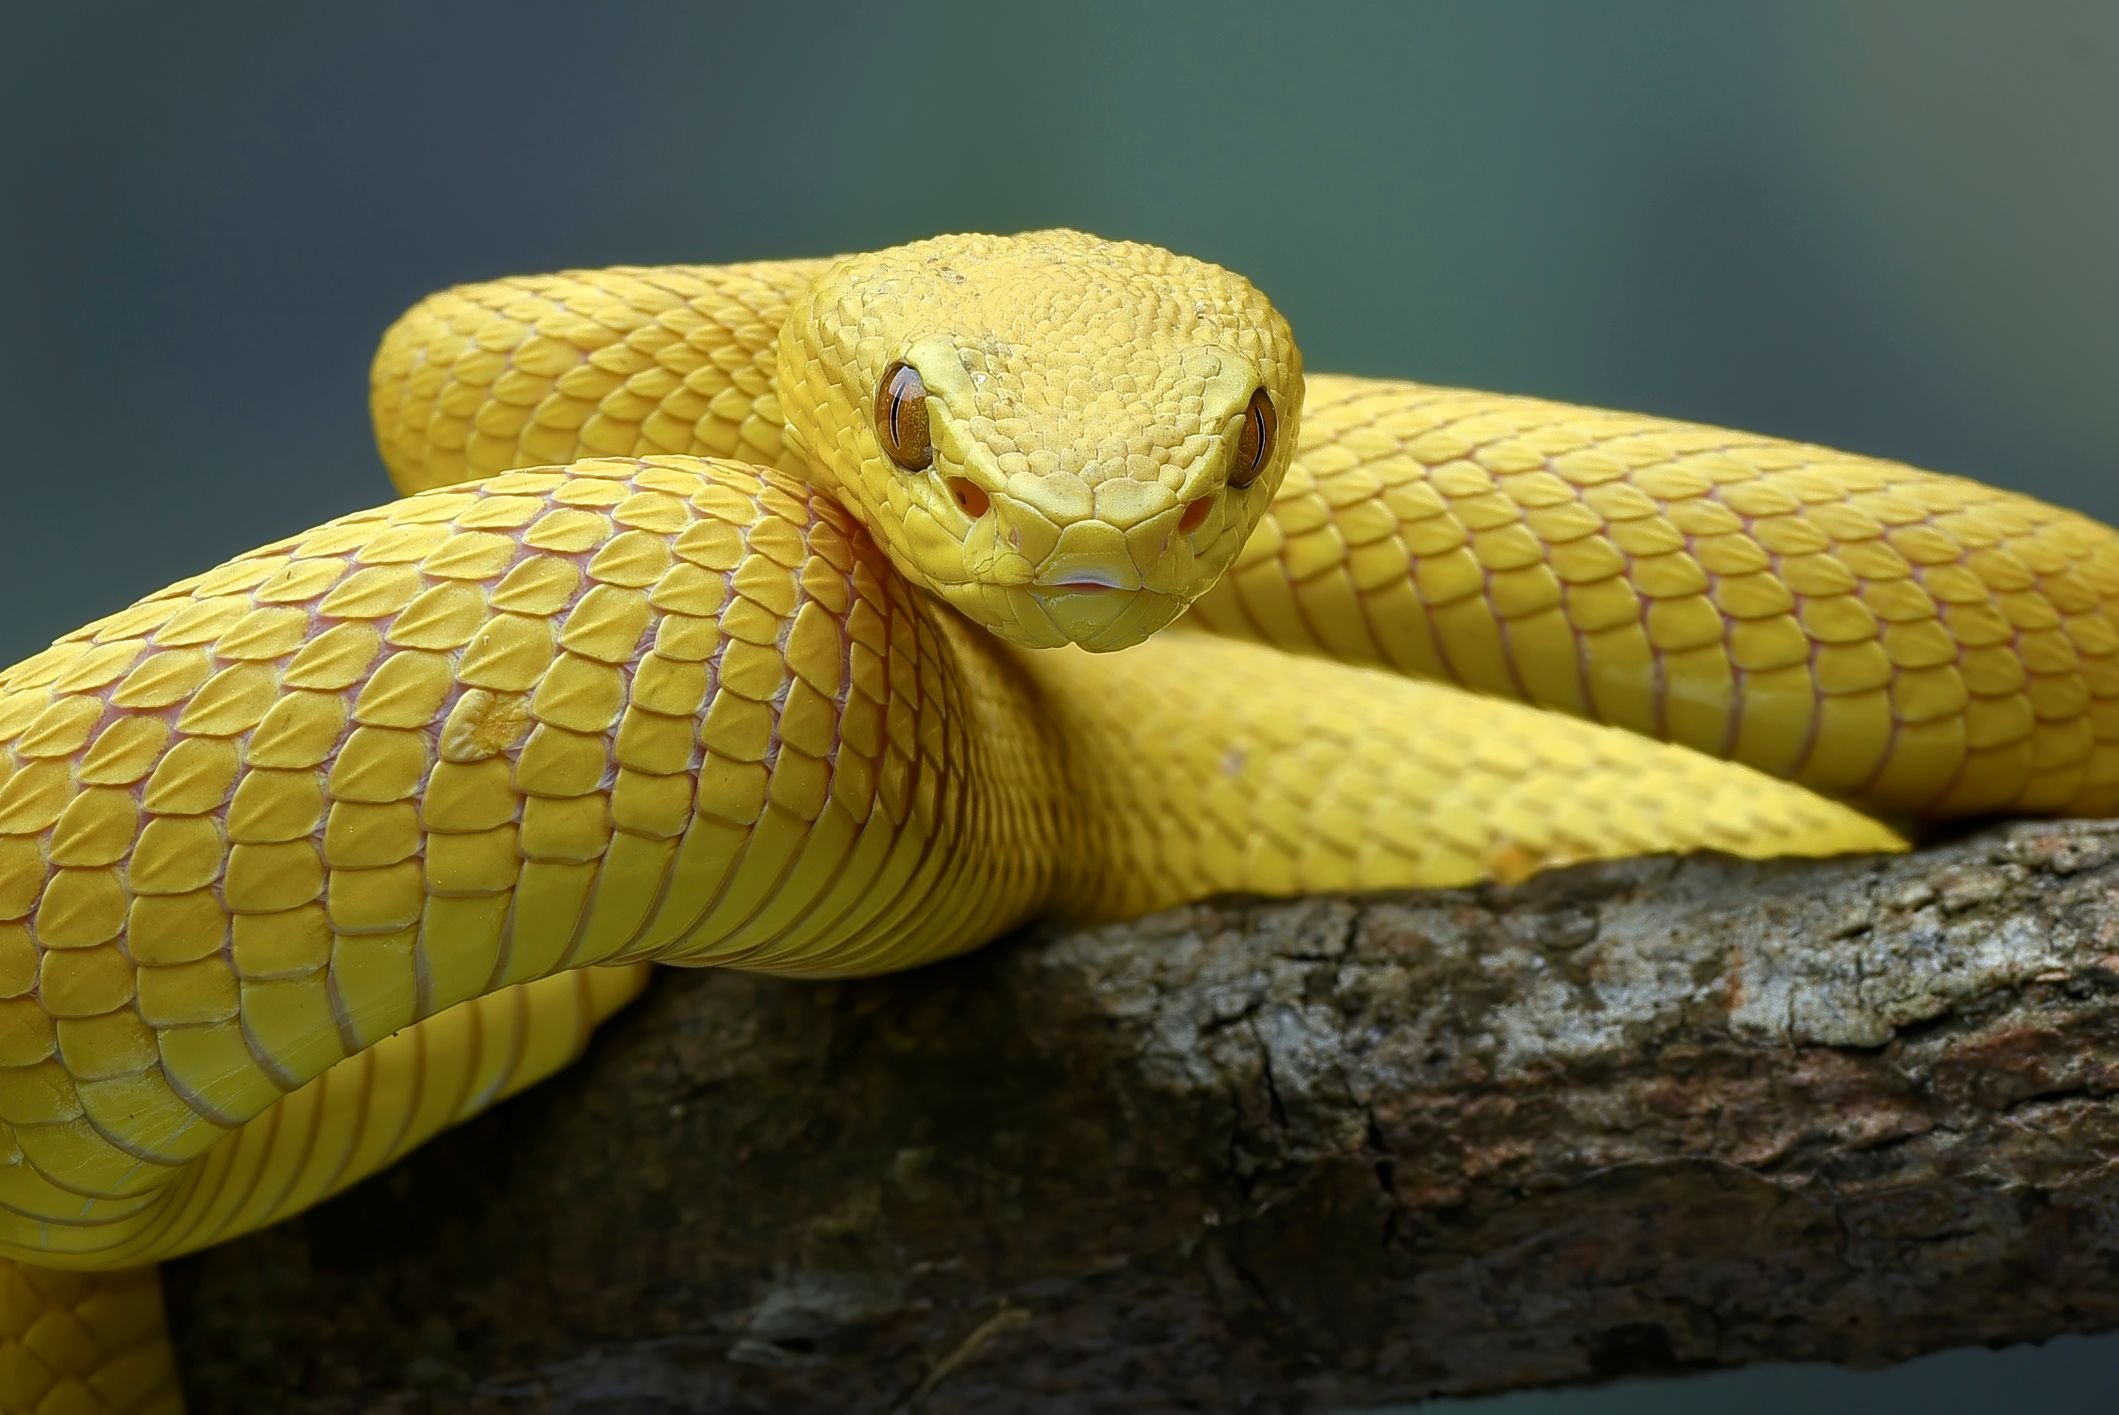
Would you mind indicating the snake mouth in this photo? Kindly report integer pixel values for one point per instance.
(1086, 579)
(1064, 592)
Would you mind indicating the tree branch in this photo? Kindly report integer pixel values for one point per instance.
(1625, 1118)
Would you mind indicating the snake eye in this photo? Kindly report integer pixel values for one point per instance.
(901, 418)
(1254, 444)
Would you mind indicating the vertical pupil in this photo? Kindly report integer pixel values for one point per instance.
(1254, 442)
(905, 387)
(901, 418)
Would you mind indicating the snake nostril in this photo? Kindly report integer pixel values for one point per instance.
(1195, 516)
(970, 499)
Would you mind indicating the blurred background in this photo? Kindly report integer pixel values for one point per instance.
(1893, 227)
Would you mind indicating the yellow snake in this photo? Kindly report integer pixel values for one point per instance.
(307, 858)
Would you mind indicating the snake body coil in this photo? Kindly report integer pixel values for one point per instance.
(311, 856)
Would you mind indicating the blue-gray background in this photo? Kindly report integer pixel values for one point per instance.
(1889, 226)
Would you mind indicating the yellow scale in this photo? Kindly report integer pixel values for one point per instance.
(306, 859)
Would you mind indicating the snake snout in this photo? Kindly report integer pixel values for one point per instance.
(1089, 555)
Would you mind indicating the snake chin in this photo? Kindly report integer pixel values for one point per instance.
(1097, 618)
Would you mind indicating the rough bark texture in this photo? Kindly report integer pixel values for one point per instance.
(1271, 1156)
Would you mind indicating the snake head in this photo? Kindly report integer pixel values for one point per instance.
(1067, 438)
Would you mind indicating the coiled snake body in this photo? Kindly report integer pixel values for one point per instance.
(313, 855)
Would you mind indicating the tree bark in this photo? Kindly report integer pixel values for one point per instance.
(1258, 1155)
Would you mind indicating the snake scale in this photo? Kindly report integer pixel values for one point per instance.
(745, 617)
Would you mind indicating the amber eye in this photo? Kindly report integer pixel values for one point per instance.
(901, 418)
(1254, 443)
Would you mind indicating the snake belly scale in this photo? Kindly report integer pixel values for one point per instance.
(687, 653)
